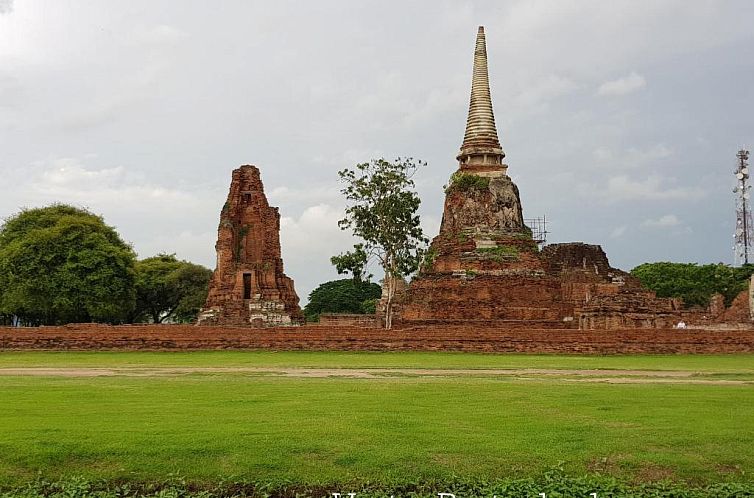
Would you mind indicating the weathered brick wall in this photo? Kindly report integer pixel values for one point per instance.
(738, 311)
(485, 297)
(347, 320)
(446, 338)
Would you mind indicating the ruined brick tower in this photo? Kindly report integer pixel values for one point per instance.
(484, 264)
(248, 286)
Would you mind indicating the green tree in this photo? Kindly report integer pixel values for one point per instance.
(342, 296)
(169, 289)
(382, 212)
(694, 283)
(61, 264)
(353, 262)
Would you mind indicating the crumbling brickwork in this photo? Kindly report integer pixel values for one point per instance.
(249, 286)
(605, 297)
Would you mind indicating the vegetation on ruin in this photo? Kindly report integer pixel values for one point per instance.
(239, 235)
(430, 255)
(465, 182)
(168, 289)
(499, 253)
(342, 296)
(694, 283)
(392, 430)
(383, 212)
(61, 264)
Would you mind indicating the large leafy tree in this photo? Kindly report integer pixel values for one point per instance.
(694, 283)
(383, 212)
(168, 289)
(61, 264)
(342, 296)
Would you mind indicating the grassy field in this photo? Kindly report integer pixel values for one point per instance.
(399, 427)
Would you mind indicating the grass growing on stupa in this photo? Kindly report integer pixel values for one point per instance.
(391, 427)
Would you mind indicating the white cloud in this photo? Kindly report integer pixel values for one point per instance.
(161, 34)
(538, 94)
(669, 220)
(6, 6)
(634, 157)
(602, 154)
(618, 232)
(622, 86)
(68, 180)
(625, 188)
(323, 193)
(648, 155)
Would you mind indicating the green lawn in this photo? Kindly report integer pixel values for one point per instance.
(206, 426)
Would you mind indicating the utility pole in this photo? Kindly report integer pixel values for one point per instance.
(743, 235)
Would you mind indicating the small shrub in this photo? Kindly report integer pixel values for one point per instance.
(500, 253)
(465, 182)
(429, 258)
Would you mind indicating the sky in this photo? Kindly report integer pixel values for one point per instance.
(620, 120)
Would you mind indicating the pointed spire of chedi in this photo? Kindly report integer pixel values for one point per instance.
(481, 149)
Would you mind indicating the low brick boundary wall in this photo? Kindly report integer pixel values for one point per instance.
(435, 338)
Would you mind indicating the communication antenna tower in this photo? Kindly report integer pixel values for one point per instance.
(743, 235)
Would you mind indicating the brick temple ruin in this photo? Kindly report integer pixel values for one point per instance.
(249, 286)
(485, 266)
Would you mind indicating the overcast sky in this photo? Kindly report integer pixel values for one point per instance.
(620, 119)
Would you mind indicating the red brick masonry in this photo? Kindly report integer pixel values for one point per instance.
(429, 338)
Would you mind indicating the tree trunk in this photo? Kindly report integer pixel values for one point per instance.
(390, 276)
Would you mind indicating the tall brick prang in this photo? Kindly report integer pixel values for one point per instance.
(249, 286)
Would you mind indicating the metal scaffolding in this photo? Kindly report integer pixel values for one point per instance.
(538, 228)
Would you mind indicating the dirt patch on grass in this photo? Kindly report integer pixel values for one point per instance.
(654, 473)
(570, 375)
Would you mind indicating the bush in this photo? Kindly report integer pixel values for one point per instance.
(342, 296)
(693, 283)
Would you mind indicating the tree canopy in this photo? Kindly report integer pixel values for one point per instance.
(694, 283)
(61, 264)
(353, 262)
(342, 296)
(169, 290)
(383, 212)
